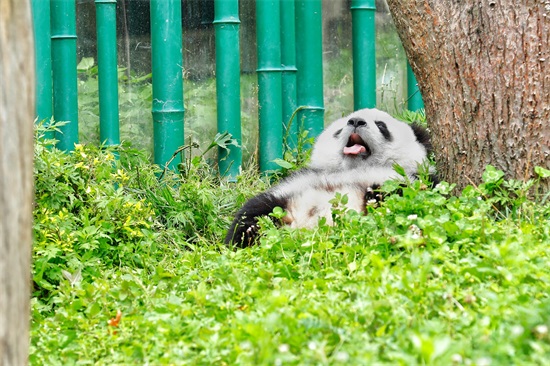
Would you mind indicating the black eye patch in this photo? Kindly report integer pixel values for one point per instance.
(383, 130)
(337, 133)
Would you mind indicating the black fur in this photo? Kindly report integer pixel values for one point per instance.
(244, 227)
(422, 136)
(383, 130)
(372, 193)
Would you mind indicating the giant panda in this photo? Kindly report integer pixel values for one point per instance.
(353, 156)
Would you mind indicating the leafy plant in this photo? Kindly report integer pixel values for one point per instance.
(129, 269)
(297, 149)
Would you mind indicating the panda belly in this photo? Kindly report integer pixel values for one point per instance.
(305, 209)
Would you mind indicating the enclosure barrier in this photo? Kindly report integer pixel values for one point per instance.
(290, 73)
(414, 100)
(42, 37)
(309, 62)
(268, 34)
(364, 53)
(288, 61)
(167, 65)
(228, 73)
(109, 130)
(65, 100)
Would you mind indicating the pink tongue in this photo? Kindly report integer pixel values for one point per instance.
(354, 150)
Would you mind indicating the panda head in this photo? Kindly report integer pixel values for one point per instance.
(370, 138)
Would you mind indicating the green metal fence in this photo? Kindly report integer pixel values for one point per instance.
(364, 53)
(289, 70)
(109, 131)
(270, 71)
(63, 58)
(167, 61)
(42, 35)
(228, 73)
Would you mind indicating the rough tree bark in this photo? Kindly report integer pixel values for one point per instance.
(483, 67)
(16, 180)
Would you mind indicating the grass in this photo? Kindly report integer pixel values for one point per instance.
(431, 277)
(129, 268)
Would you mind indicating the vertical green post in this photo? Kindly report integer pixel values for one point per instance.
(309, 61)
(364, 53)
(414, 98)
(228, 89)
(167, 64)
(65, 90)
(109, 132)
(288, 60)
(43, 49)
(269, 83)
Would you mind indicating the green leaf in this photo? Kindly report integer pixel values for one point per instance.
(85, 64)
(399, 169)
(283, 164)
(278, 213)
(543, 173)
(492, 175)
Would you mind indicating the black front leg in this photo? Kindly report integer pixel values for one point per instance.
(244, 228)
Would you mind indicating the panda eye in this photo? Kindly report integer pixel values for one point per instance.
(383, 129)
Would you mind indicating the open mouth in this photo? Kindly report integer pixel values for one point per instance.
(356, 146)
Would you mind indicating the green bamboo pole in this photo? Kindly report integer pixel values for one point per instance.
(228, 89)
(269, 83)
(109, 132)
(309, 61)
(65, 90)
(167, 64)
(288, 60)
(414, 98)
(364, 53)
(43, 49)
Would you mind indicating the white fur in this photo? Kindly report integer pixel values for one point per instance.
(305, 209)
(331, 180)
(310, 191)
(403, 149)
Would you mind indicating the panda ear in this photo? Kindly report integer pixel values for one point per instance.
(422, 136)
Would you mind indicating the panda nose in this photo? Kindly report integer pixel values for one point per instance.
(356, 122)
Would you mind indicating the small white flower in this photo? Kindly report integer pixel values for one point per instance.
(484, 361)
(517, 330)
(541, 331)
(415, 231)
(456, 358)
(341, 356)
(412, 217)
(283, 348)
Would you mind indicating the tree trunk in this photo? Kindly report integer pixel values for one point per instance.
(16, 177)
(483, 68)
